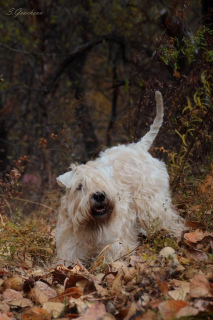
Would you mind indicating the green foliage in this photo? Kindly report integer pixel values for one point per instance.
(192, 117)
(190, 48)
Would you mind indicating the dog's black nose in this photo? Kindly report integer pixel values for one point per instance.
(99, 197)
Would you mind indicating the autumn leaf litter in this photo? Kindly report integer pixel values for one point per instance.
(161, 279)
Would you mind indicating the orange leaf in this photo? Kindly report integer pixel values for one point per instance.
(36, 313)
(194, 237)
(163, 286)
(43, 143)
(68, 293)
(168, 309)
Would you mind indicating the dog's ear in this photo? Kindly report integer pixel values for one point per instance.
(65, 179)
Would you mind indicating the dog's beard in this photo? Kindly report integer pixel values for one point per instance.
(93, 214)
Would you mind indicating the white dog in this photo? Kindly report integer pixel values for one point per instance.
(109, 201)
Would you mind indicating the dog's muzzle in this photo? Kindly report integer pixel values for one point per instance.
(99, 204)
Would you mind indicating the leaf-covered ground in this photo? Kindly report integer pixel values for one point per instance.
(161, 279)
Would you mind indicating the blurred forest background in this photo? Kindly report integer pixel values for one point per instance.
(81, 76)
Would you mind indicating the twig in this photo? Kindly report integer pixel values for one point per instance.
(29, 201)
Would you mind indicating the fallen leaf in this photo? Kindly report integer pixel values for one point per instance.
(149, 315)
(15, 283)
(3, 316)
(132, 310)
(43, 292)
(179, 294)
(162, 286)
(82, 284)
(197, 254)
(134, 260)
(185, 261)
(117, 282)
(22, 303)
(36, 313)
(54, 308)
(73, 279)
(181, 291)
(10, 295)
(186, 312)
(168, 309)
(200, 287)
(202, 305)
(80, 304)
(120, 265)
(67, 294)
(155, 303)
(4, 307)
(195, 236)
(95, 312)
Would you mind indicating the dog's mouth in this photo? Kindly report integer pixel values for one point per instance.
(99, 211)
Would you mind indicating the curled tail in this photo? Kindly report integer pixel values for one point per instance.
(150, 136)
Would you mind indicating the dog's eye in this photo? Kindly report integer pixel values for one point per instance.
(79, 186)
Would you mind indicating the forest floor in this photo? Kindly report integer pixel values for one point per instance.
(161, 279)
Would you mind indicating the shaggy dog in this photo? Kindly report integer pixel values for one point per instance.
(111, 200)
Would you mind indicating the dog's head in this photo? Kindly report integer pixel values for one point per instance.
(91, 194)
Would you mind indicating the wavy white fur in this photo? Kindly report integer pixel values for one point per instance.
(135, 189)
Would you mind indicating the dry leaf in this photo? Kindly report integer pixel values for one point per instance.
(162, 286)
(43, 292)
(179, 294)
(120, 265)
(15, 283)
(132, 310)
(82, 284)
(74, 278)
(117, 282)
(196, 236)
(10, 295)
(181, 291)
(67, 294)
(134, 260)
(22, 303)
(149, 315)
(95, 312)
(200, 287)
(4, 307)
(3, 316)
(155, 303)
(80, 304)
(168, 309)
(197, 254)
(202, 305)
(186, 312)
(36, 313)
(54, 308)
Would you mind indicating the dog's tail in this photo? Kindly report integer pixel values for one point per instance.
(149, 137)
